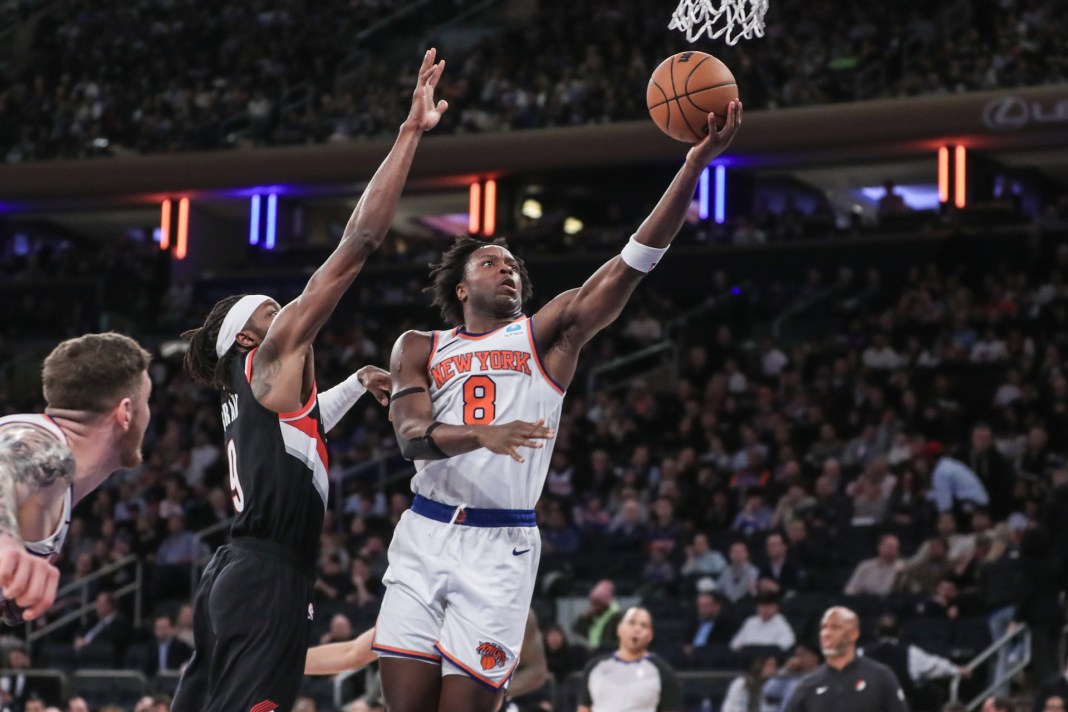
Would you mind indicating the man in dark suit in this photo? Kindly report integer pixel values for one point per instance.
(711, 626)
(779, 573)
(165, 653)
(992, 470)
(111, 631)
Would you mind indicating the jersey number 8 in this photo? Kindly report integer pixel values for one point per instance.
(480, 398)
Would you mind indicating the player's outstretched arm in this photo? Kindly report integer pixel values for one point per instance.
(421, 437)
(295, 327)
(333, 658)
(574, 317)
(30, 461)
(334, 403)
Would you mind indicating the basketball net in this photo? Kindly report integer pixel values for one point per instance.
(730, 19)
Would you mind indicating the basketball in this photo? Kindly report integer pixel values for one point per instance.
(684, 89)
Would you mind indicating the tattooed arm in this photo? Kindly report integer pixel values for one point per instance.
(284, 356)
(31, 461)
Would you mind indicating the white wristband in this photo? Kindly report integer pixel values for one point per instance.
(642, 257)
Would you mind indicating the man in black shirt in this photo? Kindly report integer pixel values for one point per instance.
(846, 681)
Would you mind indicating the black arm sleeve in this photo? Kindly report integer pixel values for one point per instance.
(584, 693)
(670, 693)
(423, 448)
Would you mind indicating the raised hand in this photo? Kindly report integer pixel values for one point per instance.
(508, 438)
(425, 114)
(376, 381)
(717, 140)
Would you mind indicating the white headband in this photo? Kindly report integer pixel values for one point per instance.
(235, 321)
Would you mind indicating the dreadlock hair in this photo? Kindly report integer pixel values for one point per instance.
(200, 362)
(449, 272)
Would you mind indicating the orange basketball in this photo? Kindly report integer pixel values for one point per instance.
(684, 89)
(488, 662)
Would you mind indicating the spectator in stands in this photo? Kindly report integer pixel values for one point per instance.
(166, 652)
(829, 516)
(559, 536)
(911, 665)
(183, 624)
(869, 502)
(810, 558)
(795, 500)
(767, 627)
(1036, 459)
(923, 573)
(997, 704)
(332, 583)
(110, 633)
(365, 587)
(1054, 689)
(175, 557)
(15, 688)
(701, 559)
(562, 657)
(780, 688)
(77, 704)
(632, 677)
(755, 515)
(952, 483)
(779, 574)
(943, 603)
(658, 574)
(880, 356)
(739, 580)
(711, 625)
(627, 531)
(643, 327)
(877, 576)
(340, 630)
(603, 613)
(891, 203)
(1055, 511)
(992, 470)
(1039, 605)
(1055, 703)
(156, 703)
(744, 692)
(664, 531)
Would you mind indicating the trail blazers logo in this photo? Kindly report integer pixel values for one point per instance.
(492, 655)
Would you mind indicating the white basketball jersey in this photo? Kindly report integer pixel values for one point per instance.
(489, 379)
(46, 548)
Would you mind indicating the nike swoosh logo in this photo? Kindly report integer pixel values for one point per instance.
(516, 552)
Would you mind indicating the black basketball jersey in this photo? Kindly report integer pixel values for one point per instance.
(278, 467)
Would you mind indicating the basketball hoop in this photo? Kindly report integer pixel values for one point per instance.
(731, 19)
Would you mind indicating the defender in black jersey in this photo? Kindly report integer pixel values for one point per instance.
(253, 607)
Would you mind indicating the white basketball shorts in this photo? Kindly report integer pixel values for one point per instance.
(458, 593)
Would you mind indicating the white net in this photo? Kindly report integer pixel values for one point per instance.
(730, 19)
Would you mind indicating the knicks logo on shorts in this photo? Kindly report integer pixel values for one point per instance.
(492, 655)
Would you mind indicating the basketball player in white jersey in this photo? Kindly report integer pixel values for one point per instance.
(96, 388)
(476, 407)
